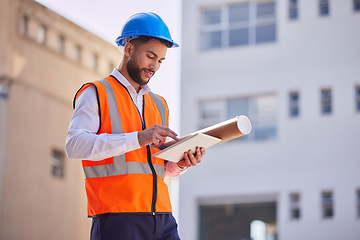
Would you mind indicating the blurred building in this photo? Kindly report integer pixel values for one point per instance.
(44, 59)
(292, 67)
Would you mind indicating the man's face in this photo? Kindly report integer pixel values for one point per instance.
(145, 61)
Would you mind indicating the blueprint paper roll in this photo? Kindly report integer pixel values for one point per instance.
(230, 129)
(227, 130)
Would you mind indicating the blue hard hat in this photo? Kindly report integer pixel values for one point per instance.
(144, 24)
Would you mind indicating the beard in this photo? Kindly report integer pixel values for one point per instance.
(135, 71)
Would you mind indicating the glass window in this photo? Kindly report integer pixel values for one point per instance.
(294, 106)
(266, 33)
(211, 35)
(324, 7)
(356, 4)
(24, 25)
(257, 230)
(239, 12)
(94, 61)
(327, 204)
(265, 105)
(239, 37)
(212, 16)
(357, 98)
(257, 221)
(261, 111)
(295, 206)
(211, 112)
(239, 31)
(238, 24)
(265, 10)
(211, 40)
(264, 114)
(293, 9)
(238, 106)
(61, 44)
(41, 34)
(326, 101)
(4, 92)
(78, 53)
(57, 164)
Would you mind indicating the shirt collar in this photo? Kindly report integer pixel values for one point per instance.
(144, 88)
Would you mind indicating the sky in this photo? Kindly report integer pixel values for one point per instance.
(105, 18)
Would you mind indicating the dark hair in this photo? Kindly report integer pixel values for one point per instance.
(139, 40)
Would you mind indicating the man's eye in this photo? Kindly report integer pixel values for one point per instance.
(150, 57)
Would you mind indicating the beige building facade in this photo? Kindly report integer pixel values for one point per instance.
(44, 59)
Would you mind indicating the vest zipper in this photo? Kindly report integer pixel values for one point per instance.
(148, 151)
(154, 197)
(153, 203)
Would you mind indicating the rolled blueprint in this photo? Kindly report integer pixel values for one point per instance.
(229, 129)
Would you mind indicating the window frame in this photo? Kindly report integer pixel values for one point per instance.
(41, 36)
(326, 101)
(61, 44)
(95, 62)
(294, 106)
(324, 8)
(356, 5)
(293, 10)
(327, 204)
(24, 25)
(262, 122)
(57, 164)
(78, 53)
(225, 27)
(295, 203)
(208, 121)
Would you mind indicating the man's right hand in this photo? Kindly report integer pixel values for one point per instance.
(155, 135)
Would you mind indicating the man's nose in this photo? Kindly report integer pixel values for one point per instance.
(154, 65)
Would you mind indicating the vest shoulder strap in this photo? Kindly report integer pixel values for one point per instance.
(160, 104)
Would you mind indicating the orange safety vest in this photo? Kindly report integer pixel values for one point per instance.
(133, 182)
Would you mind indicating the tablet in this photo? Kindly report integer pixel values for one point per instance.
(176, 151)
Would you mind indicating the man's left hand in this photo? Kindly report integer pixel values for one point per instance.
(191, 159)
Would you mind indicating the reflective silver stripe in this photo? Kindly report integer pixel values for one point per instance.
(116, 126)
(160, 170)
(160, 106)
(120, 166)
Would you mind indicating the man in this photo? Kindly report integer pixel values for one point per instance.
(117, 125)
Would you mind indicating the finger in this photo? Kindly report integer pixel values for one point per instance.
(192, 158)
(171, 135)
(187, 160)
(156, 140)
(181, 163)
(198, 155)
(166, 132)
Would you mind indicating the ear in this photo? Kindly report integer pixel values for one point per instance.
(128, 49)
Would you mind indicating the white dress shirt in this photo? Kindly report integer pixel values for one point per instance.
(83, 143)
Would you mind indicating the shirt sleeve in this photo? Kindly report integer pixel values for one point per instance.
(83, 143)
(173, 170)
